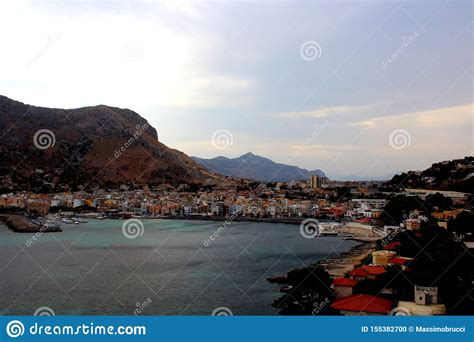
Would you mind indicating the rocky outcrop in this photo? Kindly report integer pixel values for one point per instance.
(20, 224)
(88, 147)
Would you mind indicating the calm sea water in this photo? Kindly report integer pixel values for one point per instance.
(93, 269)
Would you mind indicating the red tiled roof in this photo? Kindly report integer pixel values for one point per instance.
(399, 261)
(358, 272)
(363, 303)
(374, 269)
(363, 220)
(391, 246)
(344, 282)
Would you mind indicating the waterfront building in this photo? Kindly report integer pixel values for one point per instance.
(401, 262)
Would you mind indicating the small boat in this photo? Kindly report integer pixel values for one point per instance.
(78, 220)
(66, 220)
(51, 225)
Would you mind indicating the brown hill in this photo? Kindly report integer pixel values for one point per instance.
(88, 147)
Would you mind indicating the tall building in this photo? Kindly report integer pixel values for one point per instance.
(315, 182)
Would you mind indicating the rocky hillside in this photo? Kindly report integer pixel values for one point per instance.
(457, 175)
(255, 167)
(100, 146)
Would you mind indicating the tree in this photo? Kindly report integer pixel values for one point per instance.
(439, 201)
(398, 209)
(463, 224)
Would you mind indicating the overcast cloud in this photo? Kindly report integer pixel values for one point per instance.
(192, 68)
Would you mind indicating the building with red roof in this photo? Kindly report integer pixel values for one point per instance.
(400, 261)
(358, 274)
(362, 304)
(367, 271)
(344, 287)
(374, 270)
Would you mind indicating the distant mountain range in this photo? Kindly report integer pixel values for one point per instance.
(99, 146)
(255, 167)
(457, 175)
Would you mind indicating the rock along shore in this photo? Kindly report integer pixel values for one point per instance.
(303, 290)
(20, 224)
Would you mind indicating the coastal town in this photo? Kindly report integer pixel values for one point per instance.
(393, 270)
(362, 202)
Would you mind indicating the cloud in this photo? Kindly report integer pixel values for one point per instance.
(113, 58)
(324, 112)
(440, 118)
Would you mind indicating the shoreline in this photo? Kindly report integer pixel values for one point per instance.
(294, 221)
(337, 267)
(299, 297)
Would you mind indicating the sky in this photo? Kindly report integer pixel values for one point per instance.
(359, 89)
